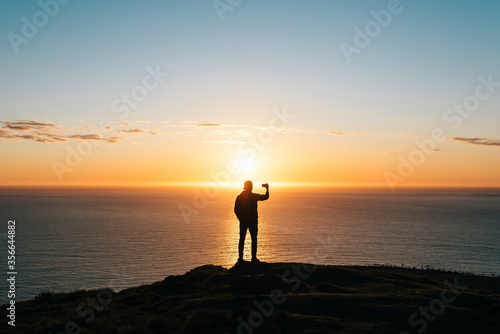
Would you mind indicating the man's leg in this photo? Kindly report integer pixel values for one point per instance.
(241, 245)
(253, 233)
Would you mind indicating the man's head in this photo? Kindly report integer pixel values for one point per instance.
(248, 186)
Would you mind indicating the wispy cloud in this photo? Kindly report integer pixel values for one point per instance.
(122, 125)
(408, 135)
(23, 125)
(130, 131)
(209, 124)
(341, 133)
(48, 132)
(214, 133)
(30, 130)
(96, 137)
(477, 141)
(41, 138)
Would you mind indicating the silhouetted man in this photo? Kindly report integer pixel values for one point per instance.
(245, 208)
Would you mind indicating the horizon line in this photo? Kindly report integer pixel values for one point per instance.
(238, 184)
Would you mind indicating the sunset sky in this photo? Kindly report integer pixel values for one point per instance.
(370, 93)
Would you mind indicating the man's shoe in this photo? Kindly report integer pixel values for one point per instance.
(240, 260)
(255, 260)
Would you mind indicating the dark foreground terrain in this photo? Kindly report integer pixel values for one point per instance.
(275, 298)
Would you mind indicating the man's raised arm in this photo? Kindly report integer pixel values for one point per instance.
(266, 196)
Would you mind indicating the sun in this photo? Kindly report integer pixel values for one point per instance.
(246, 165)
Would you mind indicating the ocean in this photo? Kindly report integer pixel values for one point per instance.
(69, 239)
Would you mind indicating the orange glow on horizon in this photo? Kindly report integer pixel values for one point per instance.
(311, 163)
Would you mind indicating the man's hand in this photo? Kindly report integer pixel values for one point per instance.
(266, 185)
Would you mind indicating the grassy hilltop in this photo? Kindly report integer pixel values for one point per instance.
(276, 298)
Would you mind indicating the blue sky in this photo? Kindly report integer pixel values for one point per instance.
(430, 51)
(264, 54)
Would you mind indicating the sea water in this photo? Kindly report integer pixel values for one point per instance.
(69, 239)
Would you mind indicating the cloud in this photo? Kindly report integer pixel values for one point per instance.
(209, 124)
(40, 132)
(47, 132)
(216, 133)
(112, 140)
(96, 137)
(431, 149)
(477, 141)
(23, 125)
(41, 138)
(48, 137)
(130, 131)
(341, 133)
(122, 125)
